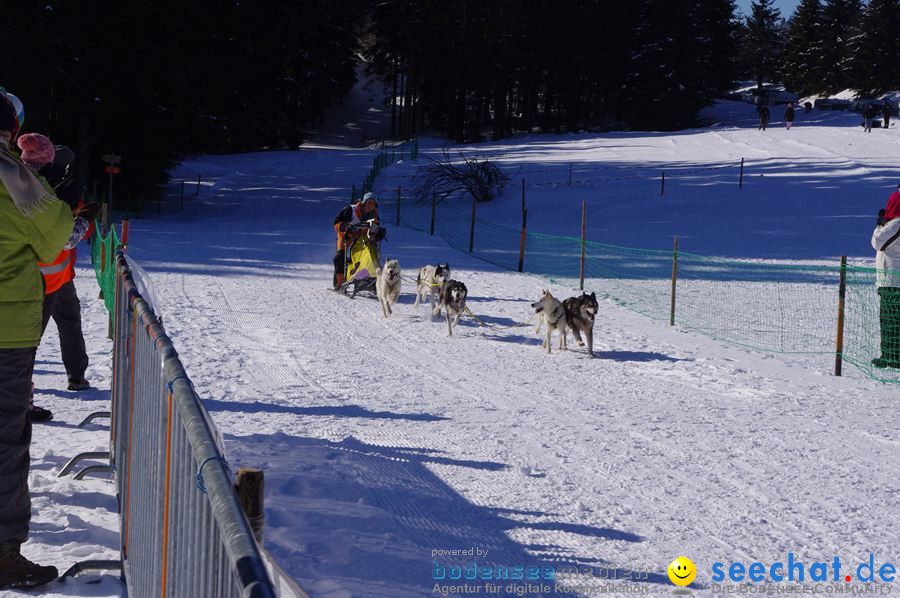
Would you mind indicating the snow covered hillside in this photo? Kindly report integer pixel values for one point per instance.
(384, 441)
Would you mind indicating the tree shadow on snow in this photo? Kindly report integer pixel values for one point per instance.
(361, 517)
(332, 410)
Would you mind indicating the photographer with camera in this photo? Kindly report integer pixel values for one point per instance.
(886, 242)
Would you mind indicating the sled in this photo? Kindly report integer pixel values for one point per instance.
(362, 259)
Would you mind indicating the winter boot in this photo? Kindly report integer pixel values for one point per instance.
(78, 384)
(38, 414)
(338, 281)
(18, 572)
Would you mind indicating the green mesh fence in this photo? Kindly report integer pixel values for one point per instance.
(103, 251)
(789, 309)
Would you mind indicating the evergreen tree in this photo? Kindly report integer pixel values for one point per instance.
(875, 67)
(762, 40)
(801, 71)
(840, 25)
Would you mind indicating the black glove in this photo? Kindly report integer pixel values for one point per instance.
(344, 226)
(380, 235)
(881, 214)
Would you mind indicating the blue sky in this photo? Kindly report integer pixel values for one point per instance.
(785, 6)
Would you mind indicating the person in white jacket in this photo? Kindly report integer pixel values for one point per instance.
(886, 242)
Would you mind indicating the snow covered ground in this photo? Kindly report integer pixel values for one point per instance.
(384, 441)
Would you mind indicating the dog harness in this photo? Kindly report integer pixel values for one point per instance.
(556, 314)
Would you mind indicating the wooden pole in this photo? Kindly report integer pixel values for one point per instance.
(472, 227)
(104, 216)
(662, 189)
(583, 239)
(674, 279)
(839, 342)
(523, 194)
(433, 210)
(741, 181)
(398, 205)
(182, 193)
(522, 239)
(124, 240)
(249, 484)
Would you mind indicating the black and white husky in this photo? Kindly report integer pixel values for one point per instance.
(580, 313)
(429, 282)
(387, 285)
(551, 311)
(452, 299)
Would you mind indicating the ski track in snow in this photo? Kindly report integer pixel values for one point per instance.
(382, 439)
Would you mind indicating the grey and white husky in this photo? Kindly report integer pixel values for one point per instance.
(453, 300)
(580, 313)
(429, 282)
(387, 285)
(551, 311)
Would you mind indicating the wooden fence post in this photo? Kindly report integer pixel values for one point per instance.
(433, 210)
(662, 189)
(674, 279)
(523, 194)
(182, 193)
(472, 227)
(583, 239)
(398, 205)
(522, 239)
(741, 181)
(198, 186)
(839, 342)
(124, 240)
(249, 484)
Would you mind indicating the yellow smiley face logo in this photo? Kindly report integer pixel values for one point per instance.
(682, 571)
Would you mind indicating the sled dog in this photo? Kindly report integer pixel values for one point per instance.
(387, 285)
(580, 313)
(551, 311)
(453, 300)
(429, 281)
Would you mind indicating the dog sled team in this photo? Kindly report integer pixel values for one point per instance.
(357, 268)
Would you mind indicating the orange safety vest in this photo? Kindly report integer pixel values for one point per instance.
(58, 272)
(62, 269)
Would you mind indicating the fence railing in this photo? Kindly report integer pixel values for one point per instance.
(774, 308)
(183, 532)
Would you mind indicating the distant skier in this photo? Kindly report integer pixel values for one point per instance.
(868, 117)
(789, 115)
(763, 117)
(886, 113)
(807, 106)
(886, 242)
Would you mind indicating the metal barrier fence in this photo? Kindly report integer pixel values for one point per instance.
(183, 532)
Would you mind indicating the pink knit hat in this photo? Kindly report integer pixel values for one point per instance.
(37, 150)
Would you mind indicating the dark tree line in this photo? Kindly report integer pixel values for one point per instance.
(155, 81)
(471, 69)
(826, 46)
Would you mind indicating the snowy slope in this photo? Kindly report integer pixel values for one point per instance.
(383, 440)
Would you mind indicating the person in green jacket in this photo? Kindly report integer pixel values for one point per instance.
(34, 226)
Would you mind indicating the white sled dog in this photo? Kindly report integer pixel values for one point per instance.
(551, 311)
(429, 281)
(387, 285)
(453, 301)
